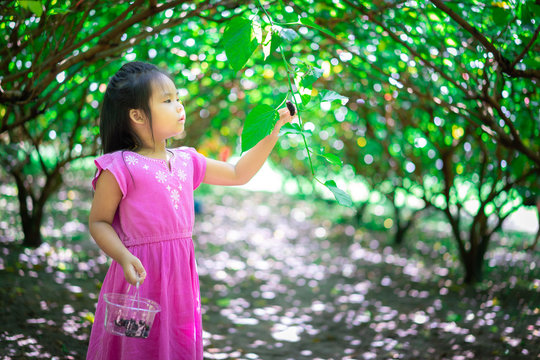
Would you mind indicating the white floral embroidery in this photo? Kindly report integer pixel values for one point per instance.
(161, 176)
(184, 155)
(180, 187)
(131, 160)
(182, 175)
(175, 195)
(169, 187)
(145, 167)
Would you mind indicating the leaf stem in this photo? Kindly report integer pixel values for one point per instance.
(293, 97)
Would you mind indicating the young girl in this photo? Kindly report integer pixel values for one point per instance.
(142, 212)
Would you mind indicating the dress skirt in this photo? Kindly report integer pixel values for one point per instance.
(173, 282)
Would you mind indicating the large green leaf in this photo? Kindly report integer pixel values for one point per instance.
(259, 123)
(239, 42)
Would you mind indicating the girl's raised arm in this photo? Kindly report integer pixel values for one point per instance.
(106, 199)
(222, 173)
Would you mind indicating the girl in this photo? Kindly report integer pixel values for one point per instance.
(142, 212)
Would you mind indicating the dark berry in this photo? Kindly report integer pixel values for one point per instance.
(291, 108)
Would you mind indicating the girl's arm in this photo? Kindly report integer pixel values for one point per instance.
(222, 173)
(106, 200)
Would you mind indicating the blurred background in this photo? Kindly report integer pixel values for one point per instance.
(397, 219)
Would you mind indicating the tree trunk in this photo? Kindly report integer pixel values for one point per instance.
(31, 208)
(402, 226)
(473, 261)
(359, 213)
(31, 224)
(400, 234)
(473, 268)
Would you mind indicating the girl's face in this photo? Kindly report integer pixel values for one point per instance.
(168, 115)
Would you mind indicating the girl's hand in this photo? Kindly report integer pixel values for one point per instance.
(284, 117)
(133, 270)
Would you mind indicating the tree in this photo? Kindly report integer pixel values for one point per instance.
(481, 107)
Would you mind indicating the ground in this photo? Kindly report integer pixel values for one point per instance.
(285, 278)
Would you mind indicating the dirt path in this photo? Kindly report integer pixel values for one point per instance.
(283, 280)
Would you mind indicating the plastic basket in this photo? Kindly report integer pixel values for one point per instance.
(125, 315)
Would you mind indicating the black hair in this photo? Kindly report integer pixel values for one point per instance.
(130, 88)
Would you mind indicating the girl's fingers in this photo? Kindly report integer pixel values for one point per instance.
(134, 271)
(285, 115)
(139, 270)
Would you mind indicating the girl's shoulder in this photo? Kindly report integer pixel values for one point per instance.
(183, 149)
(114, 154)
(113, 158)
(115, 162)
(185, 152)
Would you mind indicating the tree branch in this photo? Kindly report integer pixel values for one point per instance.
(526, 49)
(362, 9)
(505, 64)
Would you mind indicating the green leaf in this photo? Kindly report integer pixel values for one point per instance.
(312, 24)
(239, 42)
(500, 16)
(341, 196)
(329, 95)
(271, 43)
(310, 77)
(333, 159)
(294, 129)
(276, 41)
(259, 123)
(308, 102)
(453, 317)
(288, 34)
(224, 302)
(34, 6)
(306, 98)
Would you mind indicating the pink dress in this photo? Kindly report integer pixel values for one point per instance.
(154, 220)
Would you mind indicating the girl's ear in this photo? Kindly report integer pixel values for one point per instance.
(137, 116)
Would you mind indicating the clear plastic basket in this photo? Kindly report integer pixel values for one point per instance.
(127, 315)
